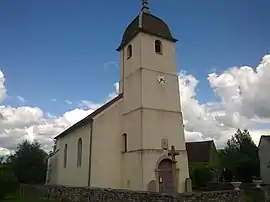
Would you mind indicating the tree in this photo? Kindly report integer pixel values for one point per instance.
(8, 181)
(29, 163)
(240, 157)
(54, 146)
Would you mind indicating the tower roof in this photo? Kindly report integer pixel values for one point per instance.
(149, 24)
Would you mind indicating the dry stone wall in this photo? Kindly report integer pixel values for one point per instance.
(83, 194)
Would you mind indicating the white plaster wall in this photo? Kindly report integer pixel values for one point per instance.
(151, 112)
(73, 175)
(264, 155)
(165, 63)
(150, 159)
(133, 92)
(158, 125)
(140, 167)
(156, 96)
(106, 148)
(132, 64)
(132, 177)
(52, 169)
(182, 164)
(132, 125)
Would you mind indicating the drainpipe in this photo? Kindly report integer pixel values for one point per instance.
(90, 153)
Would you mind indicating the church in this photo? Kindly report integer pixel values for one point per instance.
(125, 144)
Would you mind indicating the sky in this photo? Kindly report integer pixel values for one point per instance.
(58, 63)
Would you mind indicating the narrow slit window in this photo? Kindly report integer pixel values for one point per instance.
(79, 153)
(124, 142)
(129, 51)
(65, 156)
(158, 47)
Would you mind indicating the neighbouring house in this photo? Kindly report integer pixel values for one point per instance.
(202, 153)
(122, 144)
(264, 156)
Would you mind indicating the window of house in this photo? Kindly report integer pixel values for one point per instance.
(124, 142)
(65, 156)
(129, 51)
(79, 153)
(158, 47)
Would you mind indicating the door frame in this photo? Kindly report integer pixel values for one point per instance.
(157, 171)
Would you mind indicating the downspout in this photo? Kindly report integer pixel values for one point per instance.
(90, 153)
(141, 86)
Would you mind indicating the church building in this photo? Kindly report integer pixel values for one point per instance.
(125, 144)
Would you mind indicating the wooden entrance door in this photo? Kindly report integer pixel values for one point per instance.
(165, 176)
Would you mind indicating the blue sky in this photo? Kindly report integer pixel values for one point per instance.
(58, 49)
(65, 50)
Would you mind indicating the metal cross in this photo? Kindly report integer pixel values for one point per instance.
(145, 7)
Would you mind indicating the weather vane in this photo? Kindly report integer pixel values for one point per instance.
(145, 7)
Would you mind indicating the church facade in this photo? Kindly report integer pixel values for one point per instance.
(124, 144)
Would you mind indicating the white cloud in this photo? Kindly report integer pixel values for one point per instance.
(68, 102)
(20, 98)
(4, 151)
(3, 90)
(89, 104)
(244, 103)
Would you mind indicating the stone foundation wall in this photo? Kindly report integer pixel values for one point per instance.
(83, 194)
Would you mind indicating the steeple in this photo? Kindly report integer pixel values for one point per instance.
(145, 7)
(147, 23)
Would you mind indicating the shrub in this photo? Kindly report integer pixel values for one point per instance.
(8, 182)
(200, 174)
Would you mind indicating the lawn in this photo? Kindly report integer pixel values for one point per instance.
(17, 199)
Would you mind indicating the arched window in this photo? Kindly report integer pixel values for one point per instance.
(124, 136)
(65, 156)
(129, 51)
(79, 153)
(158, 47)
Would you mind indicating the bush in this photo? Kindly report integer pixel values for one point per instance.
(8, 182)
(200, 175)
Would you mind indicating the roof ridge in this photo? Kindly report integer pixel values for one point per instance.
(201, 141)
(90, 116)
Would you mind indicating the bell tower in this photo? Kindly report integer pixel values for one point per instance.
(151, 103)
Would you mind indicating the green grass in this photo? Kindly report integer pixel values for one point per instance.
(17, 199)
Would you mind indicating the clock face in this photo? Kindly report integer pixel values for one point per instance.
(161, 79)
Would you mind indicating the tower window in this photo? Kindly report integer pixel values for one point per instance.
(158, 47)
(129, 51)
(124, 136)
(79, 153)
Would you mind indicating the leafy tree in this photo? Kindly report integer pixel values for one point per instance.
(240, 157)
(8, 181)
(29, 163)
(54, 146)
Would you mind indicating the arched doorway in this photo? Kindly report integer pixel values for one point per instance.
(165, 176)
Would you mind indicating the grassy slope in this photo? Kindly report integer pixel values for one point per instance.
(16, 199)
